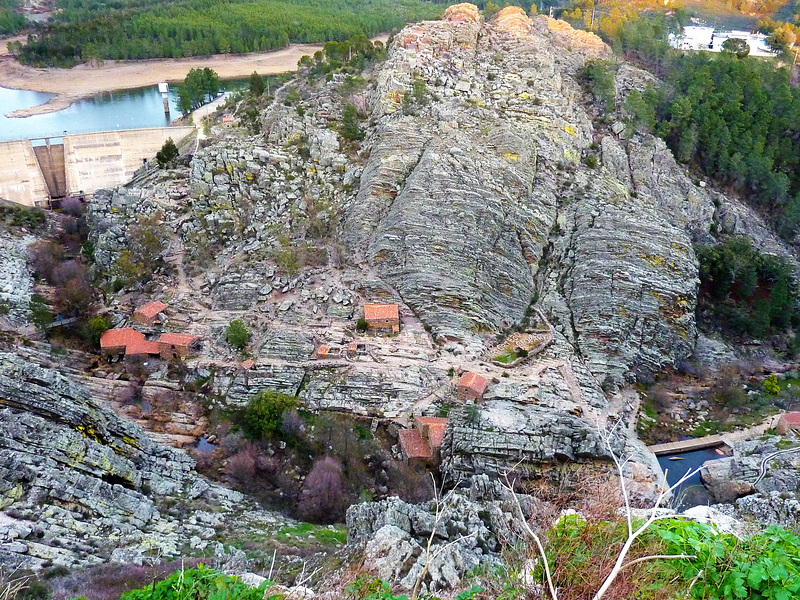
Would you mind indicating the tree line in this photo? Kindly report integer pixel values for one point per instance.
(137, 29)
(10, 20)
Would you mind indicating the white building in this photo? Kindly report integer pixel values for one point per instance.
(700, 37)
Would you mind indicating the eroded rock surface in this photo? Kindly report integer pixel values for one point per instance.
(78, 484)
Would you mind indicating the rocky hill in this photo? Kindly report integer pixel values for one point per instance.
(487, 198)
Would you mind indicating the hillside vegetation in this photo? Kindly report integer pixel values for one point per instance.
(10, 21)
(88, 30)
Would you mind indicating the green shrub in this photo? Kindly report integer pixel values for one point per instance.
(771, 385)
(201, 583)
(41, 315)
(722, 566)
(349, 127)
(168, 153)
(597, 78)
(362, 325)
(237, 334)
(746, 292)
(94, 328)
(264, 414)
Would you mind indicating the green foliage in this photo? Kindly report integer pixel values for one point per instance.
(765, 566)
(10, 20)
(199, 86)
(748, 292)
(264, 413)
(771, 385)
(41, 315)
(167, 154)
(737, 121)
(349, 127)
(136, 29)
(362, 325)
(201, 583)
(640, 111)
(257, 84)
(597, 78)
(236, 334)
(19, 216)
(94, 328)
(736, 46)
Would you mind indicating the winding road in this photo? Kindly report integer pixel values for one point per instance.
(763, 468)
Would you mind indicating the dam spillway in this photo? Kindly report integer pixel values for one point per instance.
(32, 172)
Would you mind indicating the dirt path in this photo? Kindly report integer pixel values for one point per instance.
(82, 81)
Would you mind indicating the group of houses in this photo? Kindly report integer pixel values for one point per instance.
(129, 342)
(422, 443)
(380, 318)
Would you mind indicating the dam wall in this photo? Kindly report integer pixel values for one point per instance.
(33, 172)
(21, 180)
(108, 159)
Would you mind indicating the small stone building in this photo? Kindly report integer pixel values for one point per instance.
(175, 345)
(471, 386)
(148, 315)
(423, 443)
(382, 317)
(788, 422)
(126, 341)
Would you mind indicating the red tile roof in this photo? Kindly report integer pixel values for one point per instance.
(323, 351)
(436, 427)
(141, 347)
(177, 339)
(413, 444)
(792, 418)
(474, 382)
(249, 363)
(114, 338)
(381, 311)
(151, 310)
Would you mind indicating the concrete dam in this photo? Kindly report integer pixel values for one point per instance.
(32, 172)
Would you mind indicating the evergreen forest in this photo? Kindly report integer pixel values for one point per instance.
(10, 21)
(90, 30)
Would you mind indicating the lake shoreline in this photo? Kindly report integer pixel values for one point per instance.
(85, 81)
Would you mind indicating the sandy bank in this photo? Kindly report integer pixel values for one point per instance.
(83, 81)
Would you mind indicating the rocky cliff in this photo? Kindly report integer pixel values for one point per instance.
(79, 485)
(470, 200)
(485, 193)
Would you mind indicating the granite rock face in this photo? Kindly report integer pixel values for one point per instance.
(476, 200)
(16, 280)
(78, 484)
(471, 526)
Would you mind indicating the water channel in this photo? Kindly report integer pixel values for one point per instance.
(124, 109)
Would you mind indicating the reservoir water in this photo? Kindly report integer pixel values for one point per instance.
(124, 109)
(691, 492)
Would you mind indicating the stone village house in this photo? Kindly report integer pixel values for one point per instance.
(129, 342)
(471, 386)
(148, 315)
(423, 443)
(382, 317)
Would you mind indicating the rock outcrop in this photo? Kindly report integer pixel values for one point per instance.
(466, 533)
(16, 280)
(79, 485)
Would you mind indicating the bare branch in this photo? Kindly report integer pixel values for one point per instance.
(535, 538)
(656, 556)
